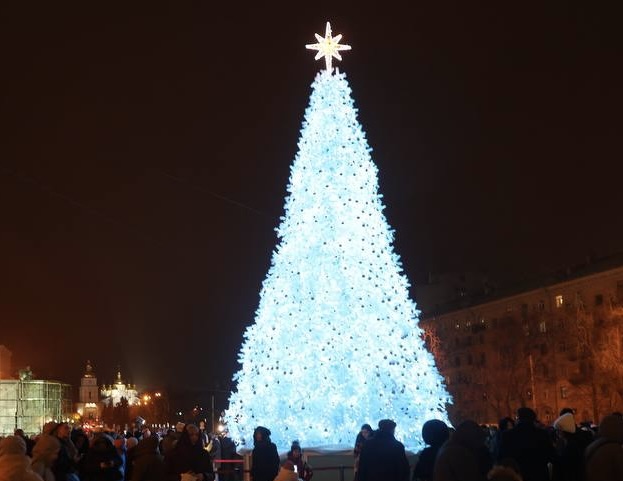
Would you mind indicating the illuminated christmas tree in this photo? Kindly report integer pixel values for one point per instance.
(336, 341)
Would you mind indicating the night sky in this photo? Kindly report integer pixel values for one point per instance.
(146, 153)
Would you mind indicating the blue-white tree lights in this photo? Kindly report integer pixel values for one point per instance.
(336, 341)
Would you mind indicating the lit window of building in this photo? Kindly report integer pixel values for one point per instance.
(563, 392)
(560, 301)
(543, 326)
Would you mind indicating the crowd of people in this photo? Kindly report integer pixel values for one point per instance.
(60, 453)
(520, 449)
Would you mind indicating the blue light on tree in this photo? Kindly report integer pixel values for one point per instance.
(336, 341)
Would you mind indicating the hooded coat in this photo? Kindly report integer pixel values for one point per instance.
(148, 464)
(458, 458)
(383, 458)
(187, 457)
(44, 454)
(102, 462)
(434, 433)
(604, 456)
(14, 464)
(531, 447)
(264, 458)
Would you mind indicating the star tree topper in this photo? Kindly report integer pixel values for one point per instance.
(328, 47)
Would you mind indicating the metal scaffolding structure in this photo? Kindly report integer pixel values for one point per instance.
(29, 404)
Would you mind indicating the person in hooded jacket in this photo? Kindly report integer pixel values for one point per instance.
(366, 432)
(264, 458)
(14, 464)
(458, 459)
(66, 464)
(383, 457)
(29, 442)
(529, 445)
(434, 433)
(44, 453)
(604, 456)
(148, 463)
(81, 442)
(102, 462)
(188, 457)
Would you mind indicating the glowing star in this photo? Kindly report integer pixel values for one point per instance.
(328, 47)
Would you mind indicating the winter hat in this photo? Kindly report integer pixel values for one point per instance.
(131, 442)
(565, 423)
(611, 428)
(526, 415)
(12, 445)
(469, 434)
(435, 432)
(387, 425)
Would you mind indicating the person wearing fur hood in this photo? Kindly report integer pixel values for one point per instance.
(14, 464)
(44, 453)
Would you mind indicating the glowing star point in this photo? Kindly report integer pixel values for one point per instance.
(328, 47)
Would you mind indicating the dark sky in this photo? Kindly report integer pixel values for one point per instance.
(146, 152)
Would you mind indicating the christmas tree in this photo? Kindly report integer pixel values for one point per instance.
(336, 341)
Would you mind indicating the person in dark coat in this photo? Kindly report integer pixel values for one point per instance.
(364, 434)
(458, 458)
(148, 464)
(383, 457)
(604, 456)
(102, 462)
(504, 425)
(529, 446)
(66, 465)
(434, 433)
(569, 446)
(29, 442)
(188, 456)
(228, 452)
(264, 459)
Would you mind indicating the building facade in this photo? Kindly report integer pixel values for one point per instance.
(549, 347)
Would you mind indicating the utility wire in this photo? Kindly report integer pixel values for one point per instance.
(213, 194)
(27, 179)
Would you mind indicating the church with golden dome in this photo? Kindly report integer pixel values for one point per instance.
(112, 394)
